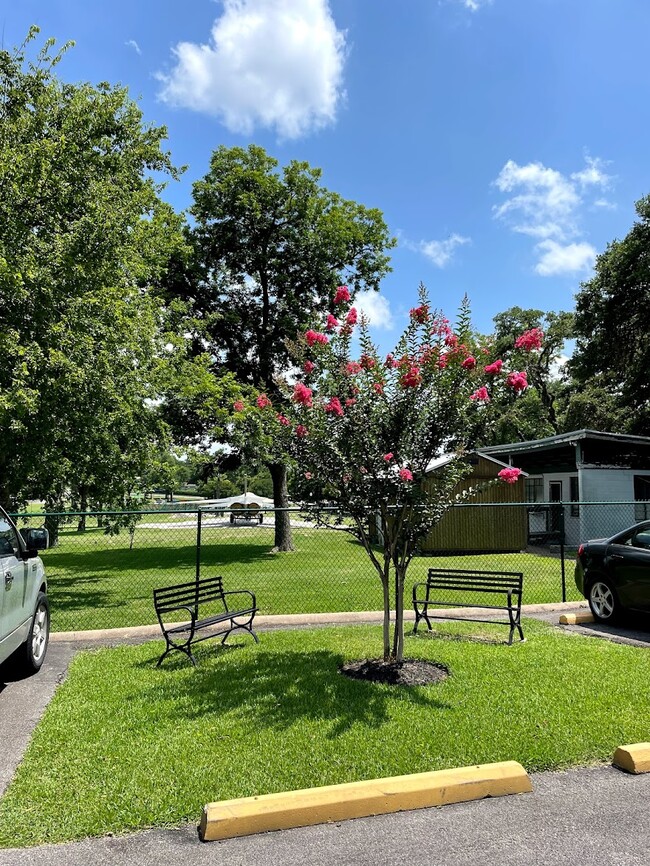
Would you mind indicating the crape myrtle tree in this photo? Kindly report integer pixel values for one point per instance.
(268, 247)
(364, 430)
(84, 235)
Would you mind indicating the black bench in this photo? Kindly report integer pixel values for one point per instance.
(441, 584)
(200, 598)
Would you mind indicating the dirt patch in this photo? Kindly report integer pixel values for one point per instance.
(408, 672)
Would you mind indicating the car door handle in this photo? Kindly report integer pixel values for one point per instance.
(9, 579)
(616, 556)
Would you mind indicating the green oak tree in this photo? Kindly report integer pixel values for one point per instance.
(269, 246)
(609, 367)
(84, 235)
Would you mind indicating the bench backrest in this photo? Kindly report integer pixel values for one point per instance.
(479, 581)
(189, 594)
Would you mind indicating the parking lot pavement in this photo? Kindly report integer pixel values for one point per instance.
(634, 631)
(595, 816)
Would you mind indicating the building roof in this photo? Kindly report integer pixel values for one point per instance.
(552, 442)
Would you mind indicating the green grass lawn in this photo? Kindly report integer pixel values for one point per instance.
(97, 581)
(124, 745)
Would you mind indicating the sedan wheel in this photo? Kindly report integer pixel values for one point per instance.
(602, 601)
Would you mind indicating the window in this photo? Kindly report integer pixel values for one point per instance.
(534, 488)
(9, 545)
(574, 495)
(642, 497)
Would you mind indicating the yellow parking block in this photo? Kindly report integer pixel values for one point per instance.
(248, 815)
(634, 758)
(575, 618)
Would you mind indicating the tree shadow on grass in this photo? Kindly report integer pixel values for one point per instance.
(277, 689)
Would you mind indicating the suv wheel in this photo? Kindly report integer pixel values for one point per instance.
(31, 655)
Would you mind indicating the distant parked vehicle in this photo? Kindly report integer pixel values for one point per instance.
(24, 607)
(613, 573)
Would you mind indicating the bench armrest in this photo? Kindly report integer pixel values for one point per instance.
(243, 592)
(190, 610)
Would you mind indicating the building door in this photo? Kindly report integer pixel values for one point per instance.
(555, 495)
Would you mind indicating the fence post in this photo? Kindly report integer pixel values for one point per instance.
(562, 551)
(198, 544)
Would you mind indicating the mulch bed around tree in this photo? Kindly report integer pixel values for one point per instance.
(408, 672)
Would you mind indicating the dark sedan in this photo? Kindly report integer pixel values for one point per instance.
(613, 574)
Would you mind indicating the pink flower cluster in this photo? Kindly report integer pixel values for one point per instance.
(517, 381)
(332, 323)
(352, 368)
(301, 431)
(494, 368)
(480, 395)
(530, 340)
(302, 395)
(367, 362)
(283, 420)
(263, 401)
(469, 363)
(352, 316)
(309, 367)
(420, 314)
(509, 474)
(313, 337)
(411, 378)
(342, 295)
(405, 475)
(334, 406)
(238, 405)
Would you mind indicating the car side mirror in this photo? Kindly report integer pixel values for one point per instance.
(36, 539)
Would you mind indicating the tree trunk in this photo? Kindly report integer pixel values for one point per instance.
(52, 522)
(83, 507)
(398, 637)
(283, 539)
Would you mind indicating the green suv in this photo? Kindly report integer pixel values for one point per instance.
(24, 608)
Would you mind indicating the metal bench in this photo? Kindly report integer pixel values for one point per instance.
(199, 598)
(441, 584)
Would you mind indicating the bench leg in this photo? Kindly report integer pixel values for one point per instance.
(184, 648)
(515, 623)
(418, 616)
(235, 627)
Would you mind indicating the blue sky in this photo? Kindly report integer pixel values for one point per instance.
(506, 141)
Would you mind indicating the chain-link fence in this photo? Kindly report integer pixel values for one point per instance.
(103, 568)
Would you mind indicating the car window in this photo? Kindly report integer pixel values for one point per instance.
(9, 544)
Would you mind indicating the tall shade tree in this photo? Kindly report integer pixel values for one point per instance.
(535, 340)
(365, 431)
(84, 234)
(611, 360)
(269, 247)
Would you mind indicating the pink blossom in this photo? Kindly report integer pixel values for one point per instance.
(510, 474)
(353, 367)
(263, 401)
(412, 377)
(332, 323)
(405, 475)
(420, 314)
(302, 394)
(238, 406)
(494, 368)
(347, 478)
(480, 395)
(351, 318)
(309, 367)
(451, 340)
(367, 362)
(350, 401)
(388, 457)
(342, 295)
(378, 388)
(390, 360)
(440, 328)
(517, 381)
(301, 431)
(442, 361)
(316, 337)
(308, 476)
(469, 363)
(427, 354)
(334, 406)
(530, 340)
(282, 419)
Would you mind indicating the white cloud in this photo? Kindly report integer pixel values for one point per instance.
(270, 63)
(474, 5)
(558, 258)
(131, 43)
(441, 252)
(375, 308)
(546, 205)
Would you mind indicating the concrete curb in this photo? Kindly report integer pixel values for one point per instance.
(249, 815)
(633, 759)
(294, 620)
(575, 618)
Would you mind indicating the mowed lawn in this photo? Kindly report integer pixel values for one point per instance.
(124, 745)
(99, 581)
